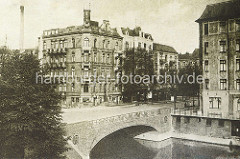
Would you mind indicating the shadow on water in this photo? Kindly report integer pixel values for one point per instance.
(122, 145)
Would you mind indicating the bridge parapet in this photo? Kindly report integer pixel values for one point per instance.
(91, 132)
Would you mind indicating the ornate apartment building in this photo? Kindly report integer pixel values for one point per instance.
(220, 57)
(165, 58)
(136, 38)
(77, 52)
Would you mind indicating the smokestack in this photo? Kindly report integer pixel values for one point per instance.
(21, 28)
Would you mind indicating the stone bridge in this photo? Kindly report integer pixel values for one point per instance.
(89, 133)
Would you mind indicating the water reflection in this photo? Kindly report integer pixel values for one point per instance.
(121, 145)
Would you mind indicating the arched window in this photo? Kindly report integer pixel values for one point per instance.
(86, 42)
(95, 43)
(73, 56)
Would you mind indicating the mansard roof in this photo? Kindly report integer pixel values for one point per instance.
(221, 11)
(93, 28)
(163, 48)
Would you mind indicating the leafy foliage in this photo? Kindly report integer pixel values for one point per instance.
(30, 118)
(137, 62)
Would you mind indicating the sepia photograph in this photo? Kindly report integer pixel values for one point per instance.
(119, 79)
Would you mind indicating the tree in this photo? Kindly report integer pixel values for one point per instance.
(30, 117)
(192, 87)
(137, 62)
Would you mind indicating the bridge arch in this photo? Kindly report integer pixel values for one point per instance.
(132, 130)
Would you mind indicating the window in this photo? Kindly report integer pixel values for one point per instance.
(222, 26)
(208, 122)
(86, 42)
(44, 45)
(139, 45)
(103, 44)
(73, 43)
(222, 46)
(238, 84)
(206, 83)
(213, 27)
(61, 44)
(108, 45)
(73, 100)
(116, 46)
(85, 88)
(103, 58)
(238, 104)
(205, 29)
(231, 25)
(206, 65)
(206, 48)
(52, 45)
(73, 87)
(221, 123)
(108, 59)
(95, 43)
(150, 47)
(95, 57)
(86, 56)
(73, 56)
(222, 65)
(238, 45)
(126, 45)
(199, 120)
(178, 119)
(186, 120)
(145, 45)
(223, 83)
(56, 44)
(238, 25)
(73, 71)
(237, 64)
(214, 102)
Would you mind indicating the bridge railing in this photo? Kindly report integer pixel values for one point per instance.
(130, 116)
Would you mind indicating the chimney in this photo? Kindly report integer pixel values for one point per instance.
(86, 16)
(21, 43)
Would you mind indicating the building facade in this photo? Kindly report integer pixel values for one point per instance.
(165, 58)
(189, 59)
(136, 38)
(220, 57)
(80, 52)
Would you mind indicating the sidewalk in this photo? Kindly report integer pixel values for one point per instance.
(155, 136)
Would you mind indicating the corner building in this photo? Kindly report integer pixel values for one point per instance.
(81, 51)
(219, 27)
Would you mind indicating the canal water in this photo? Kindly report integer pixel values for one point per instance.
(122, 145)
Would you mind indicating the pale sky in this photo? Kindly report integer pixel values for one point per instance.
(171, 22)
